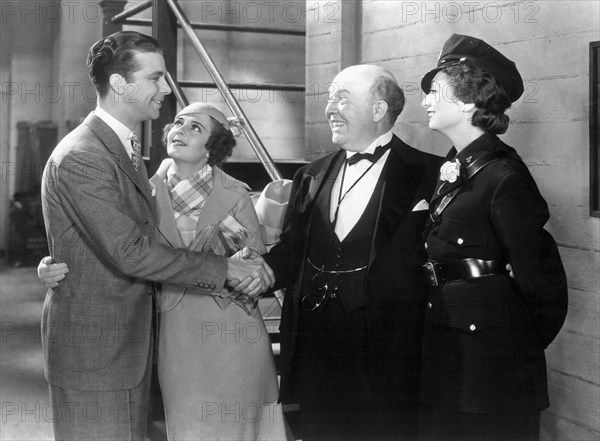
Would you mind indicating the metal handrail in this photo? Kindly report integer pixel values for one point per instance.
(221, 27)
(177, 91)
(120, 18)
(247, 86)
(253, 139)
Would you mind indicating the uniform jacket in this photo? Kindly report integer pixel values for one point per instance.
(394, 299)
(99, 217)
(228, 202)
(485, 338)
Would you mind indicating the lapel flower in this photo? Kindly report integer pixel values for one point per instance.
(450, 171)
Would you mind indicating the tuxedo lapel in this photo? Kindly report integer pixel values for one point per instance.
(402, 180)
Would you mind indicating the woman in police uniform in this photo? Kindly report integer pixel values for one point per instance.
(484, 371)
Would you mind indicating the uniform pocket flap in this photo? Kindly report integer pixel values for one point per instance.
(463, 233)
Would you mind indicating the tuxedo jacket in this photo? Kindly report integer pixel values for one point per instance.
(394, 296)
(485, 337)
(99, 217)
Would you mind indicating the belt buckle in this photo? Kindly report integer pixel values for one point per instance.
(431, 276)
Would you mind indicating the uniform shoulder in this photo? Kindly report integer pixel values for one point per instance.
(414, 155)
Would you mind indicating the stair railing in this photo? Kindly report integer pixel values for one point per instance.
(255, 142)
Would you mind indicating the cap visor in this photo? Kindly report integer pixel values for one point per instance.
(428, 78)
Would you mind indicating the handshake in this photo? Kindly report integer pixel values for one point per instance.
(248, 273)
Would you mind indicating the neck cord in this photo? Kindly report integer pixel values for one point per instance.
(340, 196)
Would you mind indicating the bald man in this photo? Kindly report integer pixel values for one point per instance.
(349, 261)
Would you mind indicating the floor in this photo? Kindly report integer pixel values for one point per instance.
(26, 410)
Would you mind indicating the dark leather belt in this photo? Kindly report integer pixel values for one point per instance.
(438, 273)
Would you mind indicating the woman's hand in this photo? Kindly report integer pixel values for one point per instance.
(51, 273)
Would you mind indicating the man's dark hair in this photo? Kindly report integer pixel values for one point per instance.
(115, 54)
(387, 89)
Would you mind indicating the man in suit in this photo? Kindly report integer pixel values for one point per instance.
(348, 257)
(97, 326)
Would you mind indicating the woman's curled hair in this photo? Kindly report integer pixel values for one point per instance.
(473, 85)
(219, 144)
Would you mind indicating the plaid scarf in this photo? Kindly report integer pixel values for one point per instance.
(188, 195)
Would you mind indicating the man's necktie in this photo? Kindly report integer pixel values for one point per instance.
(136, 157)
(373, 157)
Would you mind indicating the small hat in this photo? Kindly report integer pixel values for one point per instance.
(462, 49)
(204, 109)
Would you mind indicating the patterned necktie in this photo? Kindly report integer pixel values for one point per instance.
(136, 156)
(373, 157)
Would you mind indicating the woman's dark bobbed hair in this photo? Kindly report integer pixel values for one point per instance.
(473, 85)
(219, 144)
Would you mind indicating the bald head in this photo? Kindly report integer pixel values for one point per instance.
(367, 72)
(364, 103)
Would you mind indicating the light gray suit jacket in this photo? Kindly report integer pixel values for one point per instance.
(99, 216)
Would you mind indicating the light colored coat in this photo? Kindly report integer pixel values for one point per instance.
(214, 355)
(228, 197)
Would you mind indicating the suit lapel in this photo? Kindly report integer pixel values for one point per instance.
(113, 144)
(167, 227)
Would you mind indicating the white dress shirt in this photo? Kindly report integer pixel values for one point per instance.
(123, 132)
(354, 203)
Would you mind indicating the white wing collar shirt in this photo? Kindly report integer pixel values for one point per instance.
(356, 199)
(123, 132)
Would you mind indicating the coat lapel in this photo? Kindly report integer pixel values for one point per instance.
(402, 180)
(219, 201)
(113, 144)
(166, 225)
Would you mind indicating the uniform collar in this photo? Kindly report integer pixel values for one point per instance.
(485, 143)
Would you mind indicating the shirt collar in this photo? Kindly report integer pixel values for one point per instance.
(383, 140)
(122, 131)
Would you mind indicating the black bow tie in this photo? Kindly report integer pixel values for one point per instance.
(373, 157)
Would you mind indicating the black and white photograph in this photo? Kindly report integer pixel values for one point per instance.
(289, 220)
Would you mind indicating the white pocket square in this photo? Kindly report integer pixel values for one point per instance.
(422, 205)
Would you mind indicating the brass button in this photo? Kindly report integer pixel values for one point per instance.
(429, 305)
(472, 327)
(459, 241)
